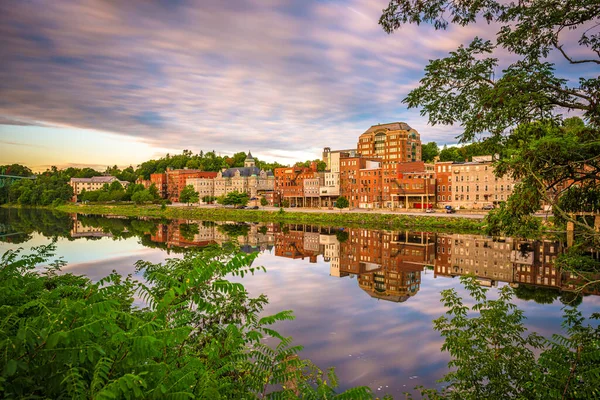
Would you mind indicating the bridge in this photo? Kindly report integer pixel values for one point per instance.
(7, 180)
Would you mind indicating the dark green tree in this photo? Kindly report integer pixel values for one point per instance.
(264, 202)
(429, 151)
(189, 195)
(342, 202)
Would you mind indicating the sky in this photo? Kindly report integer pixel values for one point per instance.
(97, 83)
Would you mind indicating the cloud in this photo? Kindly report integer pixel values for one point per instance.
(271, 76)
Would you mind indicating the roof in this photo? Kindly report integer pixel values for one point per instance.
(249, 156)
(244, 171)
(392, 126)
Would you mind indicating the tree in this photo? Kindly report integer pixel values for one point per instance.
(188, 231)
(451, 154)
(520, 107)
(142, 196)
(466, 87)
(264, 202)
(342, 202)
(208, 199)
(200, 335)
(153, 190)
(234, 198)
(429, 151)
(494, 357)
(189, 195)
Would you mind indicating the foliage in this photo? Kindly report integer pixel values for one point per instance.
(234, 198)
(234, 230)
(15, 169)
(189, 195)
(466, 88)
(342, 236)
(264, 202)
(429, 151)
(493, 356)
(205, 161)
(110, 192)
(285, 203)
(208, 199)
(199, 336)
(360, 220)
(189, 230)
(342, 202)
(321, 165)
(48, 187)
(142, 196)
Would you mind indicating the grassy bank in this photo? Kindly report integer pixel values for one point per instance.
(364, 220)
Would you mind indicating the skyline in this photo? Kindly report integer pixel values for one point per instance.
(97, 84)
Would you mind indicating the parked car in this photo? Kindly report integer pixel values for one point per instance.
(488, 207)
(430, 210)
(240, 207)
(253, 208)
(450, 210)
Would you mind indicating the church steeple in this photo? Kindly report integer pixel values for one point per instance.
(249, 161)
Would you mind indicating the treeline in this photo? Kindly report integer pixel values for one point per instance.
(431, 150)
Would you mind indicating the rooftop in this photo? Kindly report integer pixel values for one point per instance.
(392, 126)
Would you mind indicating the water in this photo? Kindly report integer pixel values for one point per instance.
(364, 299)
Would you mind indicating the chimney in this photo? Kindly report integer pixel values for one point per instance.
(313, 165)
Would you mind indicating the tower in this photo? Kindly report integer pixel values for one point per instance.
(249, 161)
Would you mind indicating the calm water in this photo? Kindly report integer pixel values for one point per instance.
(364, 299)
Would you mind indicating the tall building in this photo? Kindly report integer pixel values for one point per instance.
(395, 142)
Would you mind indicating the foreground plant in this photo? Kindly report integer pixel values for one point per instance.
(493, 356)
(63, 336)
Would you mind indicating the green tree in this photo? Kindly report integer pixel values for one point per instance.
(429, 151)
(142, 196)
(234, 198)
(494, 357)
(208, 199)
(200, 335)
(188, 231)
(451, 154)
(153, 190)
(467, 88)
(189, 195)
(342, 202)
(264, 202)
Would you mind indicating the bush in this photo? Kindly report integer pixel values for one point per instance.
(63, 336)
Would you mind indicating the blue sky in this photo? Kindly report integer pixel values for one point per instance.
(98, 82)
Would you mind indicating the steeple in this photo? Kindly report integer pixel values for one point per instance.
(249, 161)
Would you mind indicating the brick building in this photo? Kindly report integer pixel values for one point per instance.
(289, 184)
(413, 186)
(160, 181)
(361, 181)
(394, 143)
(472, 184)
(177, 180)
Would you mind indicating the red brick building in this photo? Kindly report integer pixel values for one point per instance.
(413, 185)
(289, 183)
(176, 180)
(160, 181)
(361, 181)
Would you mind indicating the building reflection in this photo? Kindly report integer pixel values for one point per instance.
(387, 265)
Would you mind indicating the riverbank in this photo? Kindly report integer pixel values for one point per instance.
(353, 219)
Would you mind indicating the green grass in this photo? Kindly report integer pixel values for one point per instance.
(360, 220)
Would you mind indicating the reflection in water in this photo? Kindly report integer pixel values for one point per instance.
(387, 265)
(344, 285)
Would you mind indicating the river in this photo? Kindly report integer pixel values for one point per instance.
(364, 299)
